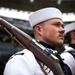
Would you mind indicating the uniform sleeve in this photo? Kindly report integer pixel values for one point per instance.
(69, 60)
(21, 64)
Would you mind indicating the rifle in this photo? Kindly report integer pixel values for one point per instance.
(40, 52)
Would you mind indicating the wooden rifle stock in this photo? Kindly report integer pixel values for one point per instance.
(26, 41)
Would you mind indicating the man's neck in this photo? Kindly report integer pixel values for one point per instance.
(46, 45)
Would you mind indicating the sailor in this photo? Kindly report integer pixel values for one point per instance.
(69, 54)
(48, 29)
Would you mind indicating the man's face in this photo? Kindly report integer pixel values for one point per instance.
(52, 32)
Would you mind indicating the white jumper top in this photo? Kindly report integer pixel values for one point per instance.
(24, 63)
(69, 59)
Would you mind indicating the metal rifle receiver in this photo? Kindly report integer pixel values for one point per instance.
(49, 52)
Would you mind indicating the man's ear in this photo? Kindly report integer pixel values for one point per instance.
(38, 29)
(72, 33)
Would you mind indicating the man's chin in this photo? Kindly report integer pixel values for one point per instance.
(59, 43)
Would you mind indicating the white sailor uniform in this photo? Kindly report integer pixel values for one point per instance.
(24, 63)
(69, 59)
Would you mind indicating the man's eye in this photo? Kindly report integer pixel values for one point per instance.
(56, 24)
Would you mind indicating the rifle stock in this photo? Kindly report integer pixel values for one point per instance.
(27, 41)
